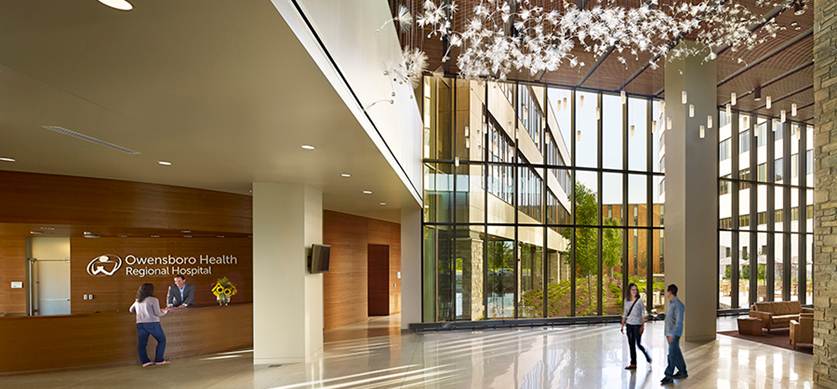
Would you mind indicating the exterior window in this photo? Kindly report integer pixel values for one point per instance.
(744, 141)
(744, 176)
(531, 115)
(501, 176)
(761, 134)
(724, 150)
(778, 164)
(724, 187)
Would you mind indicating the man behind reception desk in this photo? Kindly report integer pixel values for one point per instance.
(180, 294)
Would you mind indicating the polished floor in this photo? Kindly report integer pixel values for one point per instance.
(558, 357)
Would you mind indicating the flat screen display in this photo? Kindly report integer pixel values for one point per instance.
(318, 260)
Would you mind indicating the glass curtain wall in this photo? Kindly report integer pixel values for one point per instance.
(540, 201)
(765, 210)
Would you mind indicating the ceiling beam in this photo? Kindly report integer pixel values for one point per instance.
(639, 71)
(798, 38)
(767, 17)
(595, 66)
(776, 79)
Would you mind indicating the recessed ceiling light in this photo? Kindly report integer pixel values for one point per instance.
(187, 236)
(367, 192)
(46, 228)
(186, 231)
(346, 175)
(219, 236)
(35, 232)
(122, 5)
(308, 147)
(123, 236)
(383, 204)
(7, 159)
(164, 163)
(155, 236)
(90, 235)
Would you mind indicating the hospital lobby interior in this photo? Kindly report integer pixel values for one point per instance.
(418, 194)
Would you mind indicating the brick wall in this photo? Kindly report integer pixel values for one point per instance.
(825, 198)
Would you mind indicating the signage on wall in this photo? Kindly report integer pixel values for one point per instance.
(138, 266)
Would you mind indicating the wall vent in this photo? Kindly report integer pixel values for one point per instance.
(90, 139)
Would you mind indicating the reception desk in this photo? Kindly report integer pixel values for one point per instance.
(31, 344)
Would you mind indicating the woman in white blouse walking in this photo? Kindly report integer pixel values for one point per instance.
(634, 318)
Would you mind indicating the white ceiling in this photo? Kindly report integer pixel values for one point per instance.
(222, 89)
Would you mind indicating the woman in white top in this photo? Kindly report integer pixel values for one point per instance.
(147, 309)
(634, 318)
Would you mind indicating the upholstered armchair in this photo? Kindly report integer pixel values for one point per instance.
(802, 331)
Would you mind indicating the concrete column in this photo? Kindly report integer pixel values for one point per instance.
(410, 266)
(287, 301)
(691, 192)
(825, 193)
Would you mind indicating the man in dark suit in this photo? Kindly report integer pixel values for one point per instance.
(180, 294)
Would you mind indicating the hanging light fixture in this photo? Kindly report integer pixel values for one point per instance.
(793, 109)
(624, 96)
(733, 99)
(799, 7)
(633, 129)
(768, 102)
(691, 110)
(757, 93)
(668, 123)
(702, 132)
(542, 41)
(578, 136)
(684, 97)
(581, 101)
(782, 116)
(708, 121)
(729, 111)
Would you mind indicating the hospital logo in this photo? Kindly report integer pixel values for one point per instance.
(105, 265)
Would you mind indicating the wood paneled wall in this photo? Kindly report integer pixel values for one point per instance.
(12, 268)
(345, 284)
(116, 293)
(101, 339)
(55, 199)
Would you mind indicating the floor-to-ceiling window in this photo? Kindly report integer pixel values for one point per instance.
(765, 210)
(540, 201)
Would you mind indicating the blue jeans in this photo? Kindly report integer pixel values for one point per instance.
(155, 330)
(675, 358)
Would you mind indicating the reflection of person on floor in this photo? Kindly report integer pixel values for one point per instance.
(147, 309)
(634, 318)
(674, 330)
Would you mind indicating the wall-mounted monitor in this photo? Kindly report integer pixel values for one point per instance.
(318, 258)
